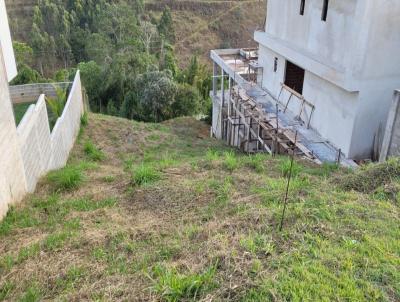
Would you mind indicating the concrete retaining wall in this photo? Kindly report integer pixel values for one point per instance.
(41, 150)
(31, 92)
(391, 140)
(12, 177)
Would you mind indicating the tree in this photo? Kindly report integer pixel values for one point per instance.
(165, 26)
(152, 98)
(91, 75)
(187, 101)
(23, 53)
(148, 33)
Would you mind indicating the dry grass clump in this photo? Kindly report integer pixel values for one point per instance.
(370, 177)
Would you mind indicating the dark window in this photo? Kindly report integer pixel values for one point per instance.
(325, 10)
(275, 64)
(302, 6)
(294, 77)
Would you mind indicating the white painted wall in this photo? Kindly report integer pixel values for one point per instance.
(334, 105)
(329, 41)
(12, 177)
(6, 43)
(43, 151)
(352, 64)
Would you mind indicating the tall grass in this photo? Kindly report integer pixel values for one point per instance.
(145, 174)
(92, 152)
(68, 178)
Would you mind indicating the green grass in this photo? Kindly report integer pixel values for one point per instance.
(87, 204)
(145, 174)
(230, 161)
(286, 166)
(68, 178)
(92, 152)
(173, 286)
(125, 234)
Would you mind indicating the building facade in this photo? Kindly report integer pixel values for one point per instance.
(340, 55)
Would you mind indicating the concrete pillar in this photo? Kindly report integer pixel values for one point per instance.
(391, 146)
(215, 75)
(222, 87)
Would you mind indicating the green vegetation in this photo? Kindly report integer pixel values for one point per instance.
(173, 215)
(145, 174)
(173, 286)
(67, 178)
(92, 152)
(126, 58)
(20, 110)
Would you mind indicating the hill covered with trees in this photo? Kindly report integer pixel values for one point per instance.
(138, 60)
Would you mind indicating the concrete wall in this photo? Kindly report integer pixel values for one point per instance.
(335, 107)
(351, 62)
(31, 92)
(43, 151)
(12, 177)
(6, 43)
(330, 40)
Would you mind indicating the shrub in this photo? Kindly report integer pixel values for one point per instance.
(145, 174)
(67, 178)
(93, 152)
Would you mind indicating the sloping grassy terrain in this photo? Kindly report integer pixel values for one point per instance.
(147, 212)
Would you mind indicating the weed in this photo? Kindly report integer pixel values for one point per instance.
(92, 152)
(256, 162)
(6, 289)
(145, 174)
(257, 244)
(231, 162)
(173, 286)
(84, 119)
(285, 165)
(67, 178)
(70, 279)
(109, 178)
(32, 294)
(23, 218)
(86, 204)
(212, 155)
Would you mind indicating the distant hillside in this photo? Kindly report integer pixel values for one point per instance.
(199, 25)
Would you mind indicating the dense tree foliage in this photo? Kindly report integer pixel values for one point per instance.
(126, 58)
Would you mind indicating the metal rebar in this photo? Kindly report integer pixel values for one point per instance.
(285, 202)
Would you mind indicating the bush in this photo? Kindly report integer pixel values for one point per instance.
(67, 178)
(93, 152)
(145, 174)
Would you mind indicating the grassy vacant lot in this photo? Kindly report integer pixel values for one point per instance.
(147, 212)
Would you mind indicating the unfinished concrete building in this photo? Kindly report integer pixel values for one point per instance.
(325, 70)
